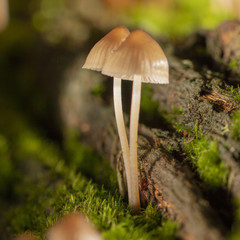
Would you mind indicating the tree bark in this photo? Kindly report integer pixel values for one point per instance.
(200, 90)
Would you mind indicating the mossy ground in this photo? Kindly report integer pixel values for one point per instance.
(205, 157)
(235, 126)
(44, 181)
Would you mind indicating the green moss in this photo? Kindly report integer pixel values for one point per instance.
(235, 126)
(177, 20)
(149, 221)
(178, 127)
(49, 182)
(56, 189)
(99, 90)
(236, 230)
(233, 64)
(235, 92)
(169, 149)
(90, 163)
(204, 155)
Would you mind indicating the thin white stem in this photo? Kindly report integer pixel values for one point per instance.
(133, 189)
(117, 94)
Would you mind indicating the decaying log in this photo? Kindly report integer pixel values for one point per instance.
(165, 178)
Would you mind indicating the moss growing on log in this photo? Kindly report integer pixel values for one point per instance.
(204, 154)
(235, 127)
(50, 182)
(201, 151)
(89, 162)
(66, 190)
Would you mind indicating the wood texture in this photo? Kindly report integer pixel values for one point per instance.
(201, 91)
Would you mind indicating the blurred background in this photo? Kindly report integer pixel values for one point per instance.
(43, 44)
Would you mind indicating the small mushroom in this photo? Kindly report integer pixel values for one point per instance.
(139, 59)
(95, 60)
(3, 14)
(25, 236)
(71, 227)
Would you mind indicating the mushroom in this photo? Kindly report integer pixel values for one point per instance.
(3, 14)
(139, 59)
(71, 227)
(25, 236)
(95, 60)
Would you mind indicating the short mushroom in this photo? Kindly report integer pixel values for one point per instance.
(139, 59)
(95, 60)
(25, 236)
(73, 226)
(3, 14)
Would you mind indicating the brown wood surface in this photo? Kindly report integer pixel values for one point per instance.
(200, 89)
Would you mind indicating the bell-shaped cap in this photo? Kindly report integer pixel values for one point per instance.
(140, 55)
(104, 47)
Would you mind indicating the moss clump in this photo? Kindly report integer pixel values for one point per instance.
(204, 155)
(90, 163)
(233, 64)
(48, 182)
(56, 189)
(148, 221)
(99, 90)
(235, 126)
(235, 92)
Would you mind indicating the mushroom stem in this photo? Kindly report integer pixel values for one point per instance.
(117, 94)
(133, 189)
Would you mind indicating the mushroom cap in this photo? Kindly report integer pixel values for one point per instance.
(71, 227)
(103, 48)
(4, 15)
(25, 236)
(140, 55)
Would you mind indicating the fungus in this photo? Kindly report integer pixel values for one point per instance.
(73, 226)
(139, 59)
(95, 60)
(3, 14)
(25, 236)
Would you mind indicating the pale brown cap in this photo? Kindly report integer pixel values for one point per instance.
(140, 55)
(4, 15)
(71, 227)
(103, 48)
(25, 236)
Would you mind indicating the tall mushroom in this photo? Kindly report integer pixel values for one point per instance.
(139, 59)
(95, 60)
